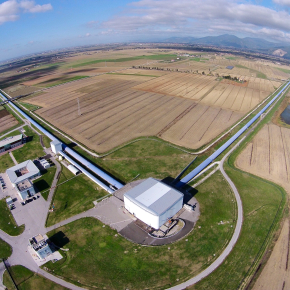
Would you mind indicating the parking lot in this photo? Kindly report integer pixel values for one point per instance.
(32, 213)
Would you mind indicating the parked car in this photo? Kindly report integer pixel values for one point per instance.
(34, 198)
(12, 206)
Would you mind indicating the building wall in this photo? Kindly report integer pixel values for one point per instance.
(154, 221)
(24, 194)
(141, 214)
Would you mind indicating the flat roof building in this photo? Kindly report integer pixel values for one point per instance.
(153, 202)
(10, 142)
(20, 176)
(40, 246)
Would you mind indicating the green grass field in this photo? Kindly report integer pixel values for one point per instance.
(287, 71)
(27, 280)
(59, 81)
(100, 259)
(29, 107)
(73, 197)
(44, 182)
(31, 149)
(146, 158)
(5, 162)
(125, 59)
(7, 222)
(5, 250)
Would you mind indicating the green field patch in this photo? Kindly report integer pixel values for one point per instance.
(5, 162)
(5, 250)
(59, 81)
(43, 183)
(99, 258)
(125, 59)
(29, 107)
(231, 57)
(241, 66)
(287, 71)
(28, 280)
(7, 222)
(73, 197)
(31, 150)
(145, 157)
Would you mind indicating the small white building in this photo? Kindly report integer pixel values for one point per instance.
(44, 163)
(56, 146)
(153, 202)
(21, 175)
(40, 246)
(73, 169)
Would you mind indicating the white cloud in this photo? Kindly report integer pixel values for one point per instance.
(190, 17)
(88, 34)
(282, 2)
(11, 9)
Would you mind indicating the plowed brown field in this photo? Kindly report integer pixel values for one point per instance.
(7, 122)
(268, 155)
(186, 109)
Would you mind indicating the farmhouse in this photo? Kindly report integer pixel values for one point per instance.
(11, 142)
(20, 176)
(153, 202)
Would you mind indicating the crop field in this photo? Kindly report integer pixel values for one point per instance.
(186, 109)
(268, 155)
(7, 121)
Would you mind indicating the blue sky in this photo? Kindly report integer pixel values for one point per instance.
(28, 26)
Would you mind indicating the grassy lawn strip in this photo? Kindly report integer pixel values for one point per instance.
(44, 182)
(98, 258)
(29, 107)
(73, 197)
(7, 222)
(5, 162)
(146, 157)
(139, 75)
(287, 71)
(241, 66)
(263, 204)
(5, 250)
(31, 150)
(59, 81)
(124, 59)
(27, 280)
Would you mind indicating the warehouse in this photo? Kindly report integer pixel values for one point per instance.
(153, 202)
(11, 142)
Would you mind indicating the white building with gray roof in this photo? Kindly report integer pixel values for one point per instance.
(21, 175)
(153, 202)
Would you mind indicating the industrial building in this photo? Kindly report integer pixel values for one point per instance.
(20, 176)
(55, 146)
(73, 169)
(10, 142)
(40, 246)
(153, 202)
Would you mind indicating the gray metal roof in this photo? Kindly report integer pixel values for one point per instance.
(154, 196)
(28, 164)
(9, 140)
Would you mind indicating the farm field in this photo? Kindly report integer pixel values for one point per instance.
(7, 121)
(276, 274)
(186, 109)
(268, 155)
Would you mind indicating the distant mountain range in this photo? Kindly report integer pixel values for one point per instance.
(233, 41)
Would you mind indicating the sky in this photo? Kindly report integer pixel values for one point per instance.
(31, 26)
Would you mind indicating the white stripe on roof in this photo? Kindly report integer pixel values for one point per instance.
(152, 194)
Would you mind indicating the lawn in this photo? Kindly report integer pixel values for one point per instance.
(29, 107)
(31, 150)
(5, 250)
(98, 258)
(287, 71)
(148, 158)
(7, 222)
(27, 280)
(125, 59)
(44, 182)
(73, 197)
(5, 162)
